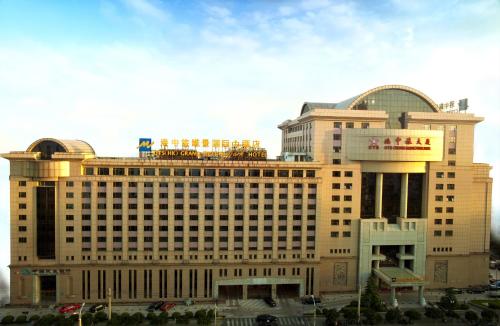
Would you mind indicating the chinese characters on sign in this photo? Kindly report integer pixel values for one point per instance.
(398, 143)
(205, 143)
(187, 149)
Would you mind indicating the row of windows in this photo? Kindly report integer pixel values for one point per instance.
(449, 186)
(440, 209)
(195, 172)
(347, 186)
(102, 217)
(207, 228)
(193, 195)
(449, 198)
(439, 221)
(447, 233)
(337, 222)
(350, 125)
(195, 239)
(442, 249)
(345, 234)
(340, 251)
(346, 210)
(194, 185)
(440, 175)
(337, 198)
(337, 174)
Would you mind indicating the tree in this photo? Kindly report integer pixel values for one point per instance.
(331, 316)
(138, 317)
(350, 314)
(8, 319)
(370, 297)
(372, 317)
(471, 316)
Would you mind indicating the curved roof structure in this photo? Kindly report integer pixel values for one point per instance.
(350, 104)
(68, 146)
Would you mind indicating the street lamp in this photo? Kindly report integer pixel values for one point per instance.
(314, 302)
(80, 315)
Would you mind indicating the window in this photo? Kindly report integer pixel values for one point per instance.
(449, 221)
(118, 171)
(451, 163)
(310, 173)
(89, 171)
(439, 186)
(149, 171)
(349, 125)
(335, 210)
(438, 198)
(22, 217)
(23, 183)
(347, 198)
(134, 171)
(437, 233)
(438, 221)
(194, 172)
(224, 172)
(22, 229)
(335, 174)
(164, 172)
(451, 174)
(103, 171)
(254, 173)
(69, 217)
(335, 222)
(283, 173)
(346, 234)
(448, 233)
(23, 195)
(348, 174)
(179, 172)
(365, 125)
(452, 151)
(297, 173)
(239, 172)
(449, 209)
(336, 161)
(347, 210)
(440, 175)
(209, 172)
(337, 125)
(450, 186)
(22, 240)
(68, 183)
(438, 209)
(337, 137)
(450, 198)
(334, 234)
(347, 222)
(268, 173)
(335, 185)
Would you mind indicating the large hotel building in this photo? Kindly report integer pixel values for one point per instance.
(383, 183)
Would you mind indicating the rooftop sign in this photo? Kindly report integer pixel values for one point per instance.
(393, 145)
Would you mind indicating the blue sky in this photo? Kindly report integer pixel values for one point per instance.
(110, 72)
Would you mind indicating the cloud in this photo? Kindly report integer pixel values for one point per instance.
(147, 8)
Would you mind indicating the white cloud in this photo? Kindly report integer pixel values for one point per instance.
(147, 8)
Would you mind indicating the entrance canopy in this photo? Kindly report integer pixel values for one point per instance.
(398, 277)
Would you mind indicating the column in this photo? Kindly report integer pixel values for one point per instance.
(93, 221)
(245, 291)
(246, 219)
(377, 252)
(401, 253)
(185, 221)
(140, 219)
(403, 206)
(36, 289)
(421, 299)
(260, 221)
(125, 222)
(378, 194)
(156, 220)
(393, 301)
(230, 220)
(273, 291)
(216, 220)
(276, 195)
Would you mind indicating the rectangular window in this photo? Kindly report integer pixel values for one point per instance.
(438, 198)
(448, 233)
(438, 209)
(89, 171)
(346, 234)
(449, 221)
(134, 171)
(450, 186)
(103, 171)
(209, 172)
(335, 222)
(438, 221)
(365, 125)
(118, 171)
(437, 233)
(449, 209)
(149, 171)
(440, 175)
(334, 234)
(180, 172)
(164, 172)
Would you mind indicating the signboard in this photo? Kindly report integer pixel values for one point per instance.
(144, 147)
(393, 145)
(187, 149)
(455, 106)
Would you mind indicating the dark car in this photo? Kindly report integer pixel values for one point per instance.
(454, 291)
(270, 301)
(96, 308)
(155, 306)
(476, 290)
(310, 300)
(264, 320)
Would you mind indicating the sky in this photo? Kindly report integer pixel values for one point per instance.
(109, 72)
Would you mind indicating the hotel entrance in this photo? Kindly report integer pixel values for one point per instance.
(48, 289)
(259, 291)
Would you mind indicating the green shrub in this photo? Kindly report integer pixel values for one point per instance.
(372, 317)
(494, 305)
(331, 316)
(471, 316)
(87, 319)
(488, 316)
(210, 314)
(34, 318)
(434, 313)
(393, 315)
(189, 315)
(21, 319)
(138, 317)
(125, 318)
(163, 317)
(463, 306)
(8, 320)
(413, 315)
(452, 314)
(151, 316)
(350, 314)
(100, 316)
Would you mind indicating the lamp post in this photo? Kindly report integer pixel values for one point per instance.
(109, 303)
(314, 302)
(80, 315)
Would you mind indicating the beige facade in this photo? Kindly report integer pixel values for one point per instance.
(205, 229)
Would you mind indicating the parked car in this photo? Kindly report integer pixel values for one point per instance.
(476, 290)
(454, 290)
(495, 285)
(311, 300)
(167, 306)
(265, 320)
(96, 308)
(69, 308)
(270, 301)
(154, 306)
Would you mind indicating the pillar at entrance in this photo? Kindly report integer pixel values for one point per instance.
(393, 300)
(273, 291)
(403, 206)
(36, 289)
(421, 299)
(401, 253)
(378, 194)
(245, 292)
